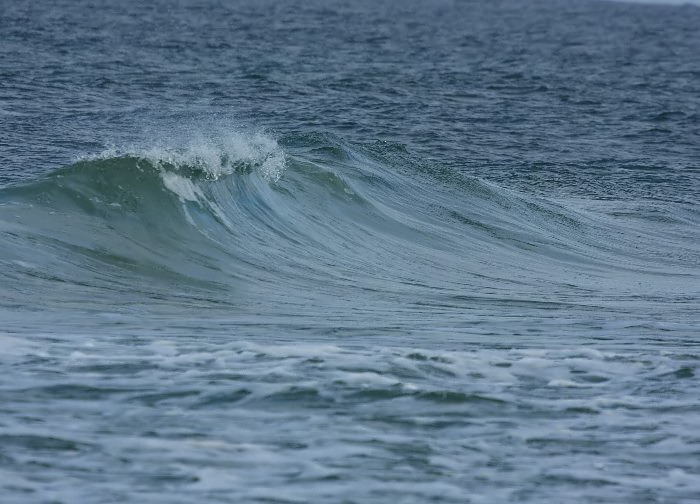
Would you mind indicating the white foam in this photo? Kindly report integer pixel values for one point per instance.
(216, 152)
(10, 345)
(183, 187)
(219, 155)
(566, 384)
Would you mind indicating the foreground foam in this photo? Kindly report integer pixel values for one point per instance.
(195, 412)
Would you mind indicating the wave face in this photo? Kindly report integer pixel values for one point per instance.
(313, 225)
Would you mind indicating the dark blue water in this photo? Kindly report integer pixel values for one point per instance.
(351, 252)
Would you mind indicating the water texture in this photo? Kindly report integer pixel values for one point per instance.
(349, 252)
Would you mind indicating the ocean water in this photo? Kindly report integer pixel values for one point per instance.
(349, 251)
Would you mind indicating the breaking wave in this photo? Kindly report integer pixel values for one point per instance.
(309, 218)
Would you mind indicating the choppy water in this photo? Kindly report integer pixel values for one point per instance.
(346, 252)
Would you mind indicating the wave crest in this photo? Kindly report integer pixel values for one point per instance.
(211, 157)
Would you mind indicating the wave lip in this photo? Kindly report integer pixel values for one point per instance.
(213, 156)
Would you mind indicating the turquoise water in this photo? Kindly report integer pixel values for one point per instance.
(345, 252)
